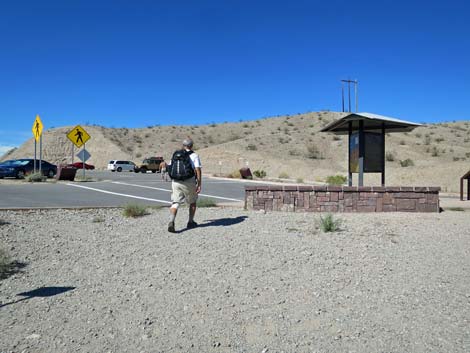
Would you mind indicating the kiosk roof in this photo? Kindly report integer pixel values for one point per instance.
(371, 122)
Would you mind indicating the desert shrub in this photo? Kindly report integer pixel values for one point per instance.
(259, 173)
(98, 219)
(299, 180)
(336, 179)
(418, 135)
(251, 147)
(283, 175)
(439, 139)
(4, 262)
(246, 125)
(456, 159)
(205, 202)
(390, 156)
(134, 210)
(329, 223)
(427, 140)
(129, 148)
(35, 178)
(312, 151)
(402, 142)
(234, 175)
(294, 153)
(336, 138)
(147, 135)
(138, 155)
(467, 154)
(407, 163)
(434, 152)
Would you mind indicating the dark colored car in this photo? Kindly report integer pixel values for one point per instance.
(18, 168)
(79, 165)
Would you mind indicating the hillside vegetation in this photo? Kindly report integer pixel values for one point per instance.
(287, 146)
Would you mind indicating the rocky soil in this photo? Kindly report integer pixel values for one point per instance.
(93, 281)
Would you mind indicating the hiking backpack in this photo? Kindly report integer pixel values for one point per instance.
(181, 167)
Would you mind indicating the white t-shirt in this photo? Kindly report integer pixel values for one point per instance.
(195, 160)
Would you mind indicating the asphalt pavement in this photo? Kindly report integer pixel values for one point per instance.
(109, 189)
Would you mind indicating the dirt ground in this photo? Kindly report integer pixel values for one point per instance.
(94, 281)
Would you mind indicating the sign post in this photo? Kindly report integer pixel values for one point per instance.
(79, 137)
(37, 133)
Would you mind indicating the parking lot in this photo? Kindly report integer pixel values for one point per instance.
(108, 189)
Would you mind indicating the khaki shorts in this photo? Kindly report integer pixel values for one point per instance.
(184, 190)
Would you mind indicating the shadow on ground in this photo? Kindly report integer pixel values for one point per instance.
(221, 222)
(12, 268)
(41, 292)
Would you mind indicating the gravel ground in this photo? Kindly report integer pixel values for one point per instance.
(242, 282)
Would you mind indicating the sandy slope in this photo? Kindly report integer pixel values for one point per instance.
(440, 152)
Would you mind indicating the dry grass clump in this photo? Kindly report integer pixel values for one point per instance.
(134, 210)
(336, 179)
(35, 178)
(4, 262)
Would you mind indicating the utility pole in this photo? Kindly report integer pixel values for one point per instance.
(349, 93)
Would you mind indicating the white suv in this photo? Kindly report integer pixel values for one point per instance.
(119, 166)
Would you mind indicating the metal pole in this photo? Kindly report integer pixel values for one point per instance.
(461, 189)
(40, 154)
(35, 142)
(83, 163)
(355, 92)
(361, 153)
(383, 154)
(468, 189)
(349, 95)
(342, 94)
(349, 155)
(72, 151)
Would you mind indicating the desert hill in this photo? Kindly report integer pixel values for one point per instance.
(285, 146)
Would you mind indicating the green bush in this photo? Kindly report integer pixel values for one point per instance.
(336, 179)
(407, 163)
(205, 202)
(134, 210)
(259, 173)
(329, 223)
(35, 178)
(283, 175)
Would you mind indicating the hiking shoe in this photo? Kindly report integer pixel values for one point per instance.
(191, 224)
(171, 227)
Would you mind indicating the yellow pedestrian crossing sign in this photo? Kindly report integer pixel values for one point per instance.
(37, 128)
(78, 136)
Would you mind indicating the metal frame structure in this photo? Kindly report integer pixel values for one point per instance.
(466, 176)
(363, 123)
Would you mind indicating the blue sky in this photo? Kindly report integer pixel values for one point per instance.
(138, 63)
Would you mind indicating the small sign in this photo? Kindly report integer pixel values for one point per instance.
(37, 128)
(83, 155)
(78, 136)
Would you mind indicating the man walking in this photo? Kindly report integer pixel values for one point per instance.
(185, 172)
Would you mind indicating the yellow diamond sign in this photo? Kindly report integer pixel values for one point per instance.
(78, 136)
(37, 128)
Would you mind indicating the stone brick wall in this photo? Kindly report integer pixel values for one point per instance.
(302, 198)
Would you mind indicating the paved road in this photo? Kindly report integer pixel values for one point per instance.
(110, 190)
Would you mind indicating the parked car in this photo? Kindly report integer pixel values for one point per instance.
(151, 163)
(18, 168)
(79, 165)
(119, 166)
